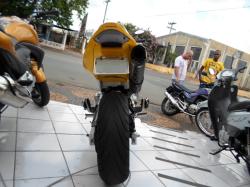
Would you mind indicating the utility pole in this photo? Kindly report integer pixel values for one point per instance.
(171, 26)
(107, 2)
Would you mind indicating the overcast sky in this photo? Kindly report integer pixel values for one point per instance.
(226, 21)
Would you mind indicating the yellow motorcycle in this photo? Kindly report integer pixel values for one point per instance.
(22, 78)
(117, 61)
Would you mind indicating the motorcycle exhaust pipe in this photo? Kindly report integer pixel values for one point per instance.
(6, 95)
(173, 100)
(137, 67)
(176, 103)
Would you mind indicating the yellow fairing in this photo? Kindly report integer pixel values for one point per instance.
(94, 50)
(38, 73)
(6, 43)
(23, 32)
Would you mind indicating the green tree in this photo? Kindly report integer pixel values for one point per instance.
(66, 9)
(131, 28)
(146, 38)
(20, 8)
(24, 8)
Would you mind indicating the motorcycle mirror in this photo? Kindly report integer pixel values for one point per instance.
(211, 71)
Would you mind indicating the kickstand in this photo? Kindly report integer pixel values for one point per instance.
(236, 156)
(218, 151)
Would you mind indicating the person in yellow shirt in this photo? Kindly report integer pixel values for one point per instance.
(208, 71)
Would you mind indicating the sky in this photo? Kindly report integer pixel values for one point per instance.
(226, 21)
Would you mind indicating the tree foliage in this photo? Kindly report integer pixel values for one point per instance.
(146, 38)
(24, 8)
(20, 8)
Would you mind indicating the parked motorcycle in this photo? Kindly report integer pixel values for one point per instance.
(202, 117)
(229, 117)
(181, 99)
(118, 63)
(22, 78)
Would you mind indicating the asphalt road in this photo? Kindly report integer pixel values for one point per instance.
(66, 68)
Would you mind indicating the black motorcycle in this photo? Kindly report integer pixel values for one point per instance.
(230, 118)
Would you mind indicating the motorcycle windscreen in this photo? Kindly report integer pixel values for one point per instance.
(109, 66)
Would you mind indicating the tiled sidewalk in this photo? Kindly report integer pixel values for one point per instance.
(49, 146)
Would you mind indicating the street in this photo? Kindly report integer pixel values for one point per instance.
(66, 68)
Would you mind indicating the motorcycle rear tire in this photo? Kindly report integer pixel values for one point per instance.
(198, 122)
(43, 97)
(164, 109)
(112, 138)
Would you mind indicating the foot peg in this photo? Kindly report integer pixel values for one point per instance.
(87, 106)
(144, 104)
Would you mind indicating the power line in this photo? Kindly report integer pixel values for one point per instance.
(202, 11)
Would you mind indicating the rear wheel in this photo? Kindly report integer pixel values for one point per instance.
(112, 138)
(40, 94)
(204, 123)
(168, 108)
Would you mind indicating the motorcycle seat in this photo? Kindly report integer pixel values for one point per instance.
(185, 88)
(23, 54)
(236, 106)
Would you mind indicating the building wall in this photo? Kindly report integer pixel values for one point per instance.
(188, 41)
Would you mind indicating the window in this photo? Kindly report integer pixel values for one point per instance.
(241, 64)
(197, 53)
(179, 50)
(211, 54)
(228, 62)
